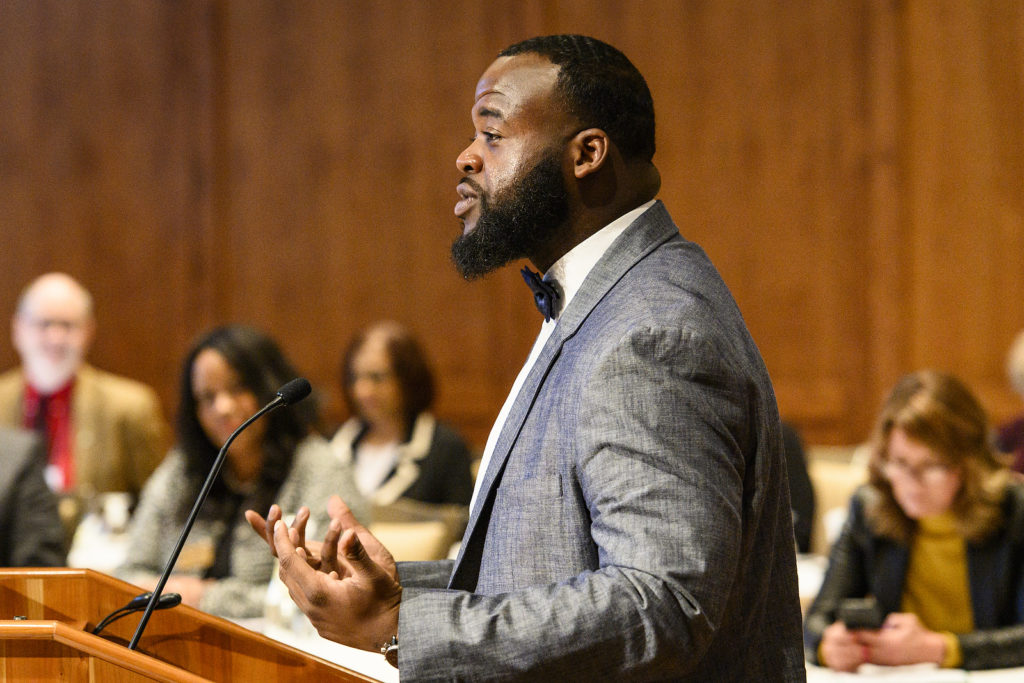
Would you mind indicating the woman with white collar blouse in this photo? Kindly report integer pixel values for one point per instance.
(395, 445)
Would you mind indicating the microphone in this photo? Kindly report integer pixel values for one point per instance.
(292, 392)
(137, 603)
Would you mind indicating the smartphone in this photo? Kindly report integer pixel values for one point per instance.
(860, 614)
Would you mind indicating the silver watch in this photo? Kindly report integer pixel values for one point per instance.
(390, 651)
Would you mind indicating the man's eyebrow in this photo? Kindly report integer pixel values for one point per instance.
(488, 113)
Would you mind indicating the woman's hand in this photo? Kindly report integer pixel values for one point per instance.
(841, 649)
(903, 639)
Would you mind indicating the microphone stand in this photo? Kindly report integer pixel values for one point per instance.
(203, 493)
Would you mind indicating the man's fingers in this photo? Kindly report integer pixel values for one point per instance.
(358, 562)
(283, 543)
(263, 527)
(273, 515)
(337, 509)
(299, 524)
(329, 549)
(256, 521)
(295, 572)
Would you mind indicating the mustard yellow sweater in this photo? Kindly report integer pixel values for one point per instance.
(936, 587)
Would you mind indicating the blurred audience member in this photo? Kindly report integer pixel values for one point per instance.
(103, 432)
(801, 491)
(224, 568)
(1010, 436)
(396, 446)
(31, 534)
(936, 537)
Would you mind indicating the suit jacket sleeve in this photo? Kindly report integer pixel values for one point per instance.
(425, 574)
(658, 442)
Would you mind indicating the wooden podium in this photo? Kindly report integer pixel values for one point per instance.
(61, 606)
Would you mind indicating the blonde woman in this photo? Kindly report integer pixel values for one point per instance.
(936, 538)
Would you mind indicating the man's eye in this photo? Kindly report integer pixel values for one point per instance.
(490, 137)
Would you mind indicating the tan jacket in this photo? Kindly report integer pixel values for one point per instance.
(118, 426)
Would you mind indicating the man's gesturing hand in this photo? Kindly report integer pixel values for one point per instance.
(356, 604)
(342, 519)
(265, 528)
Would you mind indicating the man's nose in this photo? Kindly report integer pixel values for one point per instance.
(362, 387)
(224, 403)
(56, 333)
(469, 161)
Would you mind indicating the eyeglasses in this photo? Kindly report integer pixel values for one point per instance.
(926, 473)
(372, 377)
(45, 324)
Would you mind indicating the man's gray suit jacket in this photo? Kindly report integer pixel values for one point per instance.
(634, 520)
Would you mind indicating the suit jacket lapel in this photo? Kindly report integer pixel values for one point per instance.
(83, 433)
(467, 563)
(646, 233)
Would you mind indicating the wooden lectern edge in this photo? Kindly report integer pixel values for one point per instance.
(74, 634)
(95, 646)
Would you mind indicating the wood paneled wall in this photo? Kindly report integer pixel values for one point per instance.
(854, 168)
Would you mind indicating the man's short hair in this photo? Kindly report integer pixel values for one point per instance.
(600, 86)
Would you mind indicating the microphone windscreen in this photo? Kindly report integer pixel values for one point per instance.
(294, 391)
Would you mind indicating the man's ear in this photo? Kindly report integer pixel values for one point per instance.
(590, 150)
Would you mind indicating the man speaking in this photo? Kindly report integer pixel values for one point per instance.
(631, 518)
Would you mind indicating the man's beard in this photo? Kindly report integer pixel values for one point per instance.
(516, 222)
(47, 375)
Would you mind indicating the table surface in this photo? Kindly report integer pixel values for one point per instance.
(918, 673)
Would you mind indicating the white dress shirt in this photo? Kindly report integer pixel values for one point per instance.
(569, 271)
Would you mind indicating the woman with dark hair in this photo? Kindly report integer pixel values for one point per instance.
(936, 539)
(396, 447)
(229, 374)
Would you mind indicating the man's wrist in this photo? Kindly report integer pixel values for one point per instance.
(390, 651)
(390, 647)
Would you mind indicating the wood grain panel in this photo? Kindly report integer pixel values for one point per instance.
(965, 176)
(746, 124)
(105, 168)
(854, 169)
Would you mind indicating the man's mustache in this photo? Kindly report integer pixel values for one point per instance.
(473, 184)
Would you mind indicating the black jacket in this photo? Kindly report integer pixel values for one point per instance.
(31, 532)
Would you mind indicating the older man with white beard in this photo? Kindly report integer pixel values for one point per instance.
(104, 432)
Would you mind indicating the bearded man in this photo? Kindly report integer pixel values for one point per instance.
(631, 518)
(102, 432)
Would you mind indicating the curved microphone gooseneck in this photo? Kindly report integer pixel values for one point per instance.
(292, 392)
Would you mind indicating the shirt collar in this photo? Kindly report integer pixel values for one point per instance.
(63, 393)
(572, 269)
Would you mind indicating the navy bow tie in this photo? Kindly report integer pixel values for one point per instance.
(545, 294)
